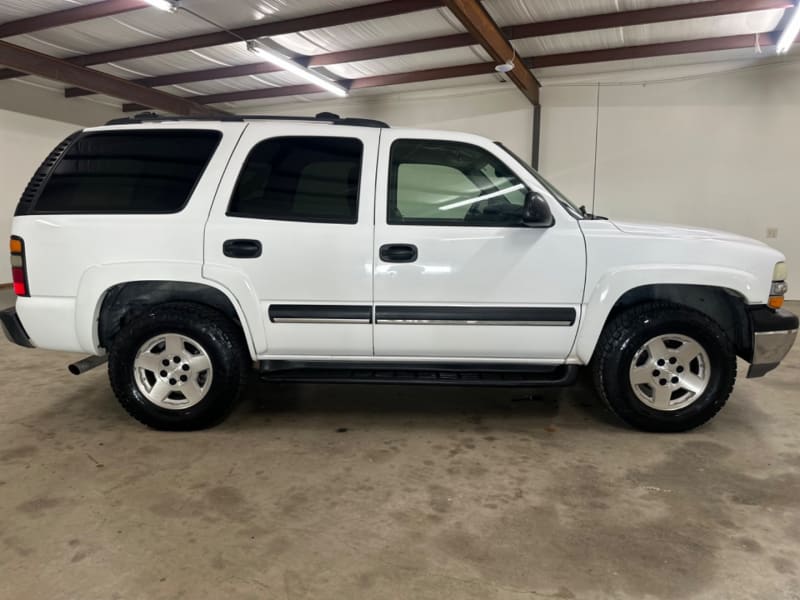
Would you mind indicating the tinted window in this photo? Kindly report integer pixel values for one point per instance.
(128, 172)
(300, 179)
(449, 183)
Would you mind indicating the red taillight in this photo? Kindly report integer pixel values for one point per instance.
(18, 272)
(18, 276)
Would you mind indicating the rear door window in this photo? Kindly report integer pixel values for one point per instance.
(307, 178)
(128, 172)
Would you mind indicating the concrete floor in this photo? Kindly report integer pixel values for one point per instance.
(347, 492)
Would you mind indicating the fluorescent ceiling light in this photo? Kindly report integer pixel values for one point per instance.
(167, 5)
(288, 64)
(789, 33)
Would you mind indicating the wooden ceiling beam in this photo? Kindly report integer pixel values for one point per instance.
(68, 16)
(552, 60)
(570, 25)
(43, 65)
(487, 33)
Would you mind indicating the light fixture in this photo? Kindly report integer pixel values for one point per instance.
(287, 64)
(509, 64)
(167, 5)
(789, 33)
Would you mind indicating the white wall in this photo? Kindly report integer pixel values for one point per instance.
(48, 102)
(24, 142)
(715, 150)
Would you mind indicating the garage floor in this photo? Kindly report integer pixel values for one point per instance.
(392, 492)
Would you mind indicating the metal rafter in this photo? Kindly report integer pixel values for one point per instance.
(661, 14)
(43, 65)
(487, 33)
(730, 42)
(551, 60)
(68, 16)
(379, 10)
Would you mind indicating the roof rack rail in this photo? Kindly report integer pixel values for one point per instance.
(326, 117)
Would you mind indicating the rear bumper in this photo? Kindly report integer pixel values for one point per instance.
(774, 333)
(13, 328)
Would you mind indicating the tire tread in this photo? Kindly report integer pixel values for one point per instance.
(621, 326)
(226, 332)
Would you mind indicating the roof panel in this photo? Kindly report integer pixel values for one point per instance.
(738, 24)
(149, 25)
(411, 62)
(400, 28)
(237, 13)
(11, 10)
(513, 12)
(234, 84)
(177, 62)
(137, 27)
(246, 106)
(656, 33)
(653, 69)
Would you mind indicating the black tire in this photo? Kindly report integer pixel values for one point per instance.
(629, 331)
(223, 342)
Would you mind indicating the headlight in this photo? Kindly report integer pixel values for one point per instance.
(778, 288)
(780, 272)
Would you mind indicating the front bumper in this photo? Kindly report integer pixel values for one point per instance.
(13, 328)
(774, 332)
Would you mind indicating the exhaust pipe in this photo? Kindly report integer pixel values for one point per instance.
(86, 364)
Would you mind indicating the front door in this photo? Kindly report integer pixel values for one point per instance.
(456, 273)
(293, 227)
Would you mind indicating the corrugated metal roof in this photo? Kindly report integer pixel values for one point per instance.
(511, 12)
(401, 28)
(12, 10)
(149, 25)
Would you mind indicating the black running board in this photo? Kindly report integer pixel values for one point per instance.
(419, 373)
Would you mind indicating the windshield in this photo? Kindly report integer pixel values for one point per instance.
(562, 199)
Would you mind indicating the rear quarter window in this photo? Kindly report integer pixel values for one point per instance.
(128, 172)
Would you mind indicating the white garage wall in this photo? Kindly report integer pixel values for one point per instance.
(716, 151)
(24, 142)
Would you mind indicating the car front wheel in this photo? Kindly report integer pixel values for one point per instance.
(664, 367)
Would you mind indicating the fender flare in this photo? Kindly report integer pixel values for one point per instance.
(600, 301)
(98, 279)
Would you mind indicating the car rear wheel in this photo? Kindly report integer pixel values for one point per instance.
(664, 367)
(179, 366)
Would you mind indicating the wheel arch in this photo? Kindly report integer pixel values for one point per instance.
(123, 301)
(724, 305)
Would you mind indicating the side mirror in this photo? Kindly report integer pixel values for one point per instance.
(536, 211)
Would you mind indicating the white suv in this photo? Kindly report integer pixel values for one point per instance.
(329, 249)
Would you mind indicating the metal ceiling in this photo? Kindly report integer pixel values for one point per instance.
(149, 25)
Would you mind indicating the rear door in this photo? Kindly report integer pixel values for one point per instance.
(292, 225)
